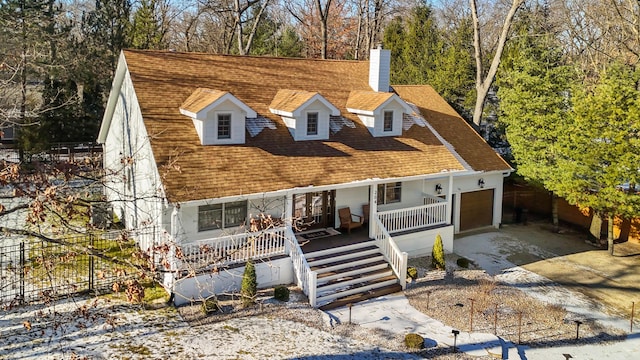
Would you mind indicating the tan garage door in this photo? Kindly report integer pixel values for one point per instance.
(476, 209)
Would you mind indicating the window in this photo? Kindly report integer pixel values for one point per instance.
(312, 123)
(389, 193)
(224, 126)
(221, 216)
(388, 121)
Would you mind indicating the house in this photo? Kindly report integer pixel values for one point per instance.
(201, 145)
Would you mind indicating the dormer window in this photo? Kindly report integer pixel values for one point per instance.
(388, 121)
(312, 123)
(380, 112)
(218, 116)
(224, 126)
(306, 114)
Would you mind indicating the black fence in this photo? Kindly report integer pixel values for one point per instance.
(57, 152)
(32, 270)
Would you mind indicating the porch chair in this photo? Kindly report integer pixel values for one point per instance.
(347, 219)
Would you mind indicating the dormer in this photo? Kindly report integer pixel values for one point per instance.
(305, 113)
(380, 112)
(218, 116)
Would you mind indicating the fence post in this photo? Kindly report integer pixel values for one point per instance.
(91, 265)
(22, 266)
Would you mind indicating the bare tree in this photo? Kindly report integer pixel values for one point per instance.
(485, 79)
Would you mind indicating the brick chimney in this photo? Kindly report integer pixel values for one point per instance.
(379, 69)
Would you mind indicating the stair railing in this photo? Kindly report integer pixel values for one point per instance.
(307, 280)
(395, 257)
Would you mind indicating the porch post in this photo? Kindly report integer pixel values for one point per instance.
(288, 210)
(450, 199)
(373, 207)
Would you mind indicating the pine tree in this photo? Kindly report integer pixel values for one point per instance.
(600, 151)
(437, 254)
(249, 286)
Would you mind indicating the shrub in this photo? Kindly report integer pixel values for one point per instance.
(281, 293)
(249, 286)
(437, 254)
(210, 305)
(414, 341)
(412, 273)
(463, 262)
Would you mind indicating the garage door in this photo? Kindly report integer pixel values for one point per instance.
(476, 209)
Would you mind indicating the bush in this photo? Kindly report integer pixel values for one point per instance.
(463, 262)
(437, 254)
(414, 341)
(281, 293)
(412, 273)
(210, 305)
(249, 286)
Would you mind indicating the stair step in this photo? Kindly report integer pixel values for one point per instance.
(350, 269)
(346, 248)
(352, 299)
(378, 283)
(347, 263)
(347, 281)
(328, 259)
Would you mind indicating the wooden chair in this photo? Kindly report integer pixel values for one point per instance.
(347, 219)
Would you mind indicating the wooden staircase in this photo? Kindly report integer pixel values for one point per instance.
(351, 273)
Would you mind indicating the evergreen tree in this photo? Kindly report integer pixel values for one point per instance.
(600, 151)
(534, 91)
(145, 29)
(421, 54)
(437, 254)
(249, 286)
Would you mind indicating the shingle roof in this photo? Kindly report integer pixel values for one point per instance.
(448, 123)
(367, 100)
(272, 160)
(290, 100)
(200, 99)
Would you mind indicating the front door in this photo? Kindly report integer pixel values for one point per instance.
(314, 210)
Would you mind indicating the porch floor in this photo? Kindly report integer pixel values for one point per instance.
(357, 235)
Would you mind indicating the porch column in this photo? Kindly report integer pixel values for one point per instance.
(288, 210)
(449, 199)
(373, 206)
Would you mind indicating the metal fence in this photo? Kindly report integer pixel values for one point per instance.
(57, 152)
(33, 270)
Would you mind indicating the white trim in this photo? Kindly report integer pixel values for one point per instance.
(296, 190)
(114, 93)
(202, 114)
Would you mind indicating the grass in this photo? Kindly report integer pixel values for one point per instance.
(69, 264)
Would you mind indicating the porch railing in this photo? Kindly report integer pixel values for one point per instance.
(391, 252)
(234, 249)
(307, 279)
(416, 217)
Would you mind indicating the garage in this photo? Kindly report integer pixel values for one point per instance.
(476, 209)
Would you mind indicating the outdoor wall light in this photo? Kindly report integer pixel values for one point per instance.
(481, 182)
(439, 188)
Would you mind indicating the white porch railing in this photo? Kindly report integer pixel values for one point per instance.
(391, 252)
(234, 249)
(307, 279)
(433, 214)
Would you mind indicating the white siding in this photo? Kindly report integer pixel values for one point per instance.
(379, 69)
(269, 274)
(298, 124)
(210, 127)
(375, 123)
(188, 218)
(134, 187)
